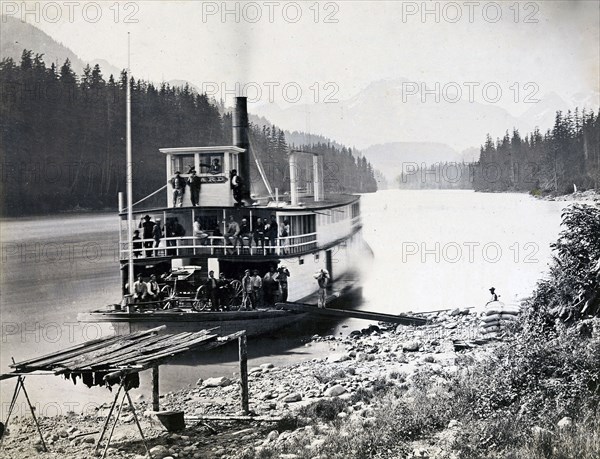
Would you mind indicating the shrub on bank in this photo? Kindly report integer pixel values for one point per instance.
(572, 288)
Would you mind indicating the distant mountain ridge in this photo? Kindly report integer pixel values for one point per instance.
(394, 158)
(15, 36)
(406, 118)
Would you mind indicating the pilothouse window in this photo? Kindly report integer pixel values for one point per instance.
(182, 163)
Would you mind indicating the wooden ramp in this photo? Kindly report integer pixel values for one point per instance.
(345, 313)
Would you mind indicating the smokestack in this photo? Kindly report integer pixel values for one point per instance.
(293, 178)
(241, 140)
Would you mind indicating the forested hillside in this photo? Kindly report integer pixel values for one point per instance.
(565, 157)
(62, 138)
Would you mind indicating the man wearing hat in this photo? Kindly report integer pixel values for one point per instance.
(178, 185)
(494, 296)
(247, 290)
(256, 289)
(283, 282)
(147, 233)
(194, 183)
(323, 280)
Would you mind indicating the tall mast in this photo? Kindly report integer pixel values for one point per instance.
(129, 170)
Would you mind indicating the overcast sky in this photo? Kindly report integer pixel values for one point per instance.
(554, 44)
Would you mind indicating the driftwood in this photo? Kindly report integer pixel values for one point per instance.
(232, 417)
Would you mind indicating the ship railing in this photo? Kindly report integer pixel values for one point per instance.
(356, 221)
(189, 246)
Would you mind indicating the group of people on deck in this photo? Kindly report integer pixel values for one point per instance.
(153, 233)
(146, 291)
(264, 233)
(194, 182)
(268, 290)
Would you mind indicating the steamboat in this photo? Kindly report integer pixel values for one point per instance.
(308, 231)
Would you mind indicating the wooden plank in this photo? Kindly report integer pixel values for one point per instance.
(346, 313)
(82, 360)
(94, 361)
(180, 348)
(164, 357)
(136, 354)
(168, 341)
(199, 345)
(50, 359)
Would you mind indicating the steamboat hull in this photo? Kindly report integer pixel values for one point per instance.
(341, 260)
(255, 323)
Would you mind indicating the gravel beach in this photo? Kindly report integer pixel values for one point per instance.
(359, 363)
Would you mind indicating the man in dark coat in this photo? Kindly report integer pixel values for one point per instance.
(147, 233)
(237, 186)
(271, 286)
(259, 233)
(195, 184)
(212, 291)
(284, 273)
(272, 233)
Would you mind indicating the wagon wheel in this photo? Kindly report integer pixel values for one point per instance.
(201, 301)
(235, 295)
(168, 295)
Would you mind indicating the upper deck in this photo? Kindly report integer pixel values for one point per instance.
(312, 226)
(217, 180)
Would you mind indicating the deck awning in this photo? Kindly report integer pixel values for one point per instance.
(107, 360)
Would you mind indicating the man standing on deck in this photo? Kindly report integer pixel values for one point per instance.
(195, 184)
(323, 280)
(284, 273)
(259, 233)
(237, 185)
(178, 185)
(212, 289)
(272, 233)
(256, 288)
(147, 233)
(157, 236)
(247, 291)
(270, 286)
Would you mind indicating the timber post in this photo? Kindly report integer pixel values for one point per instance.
(243, 345)
(155, 391)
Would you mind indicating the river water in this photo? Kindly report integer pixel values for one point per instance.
(432, 250)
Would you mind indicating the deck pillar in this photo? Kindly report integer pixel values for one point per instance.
(243, 345)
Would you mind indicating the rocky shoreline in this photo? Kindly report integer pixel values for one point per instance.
(357, 366)
(577, 196)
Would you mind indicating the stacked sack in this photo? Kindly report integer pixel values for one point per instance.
(497, 315)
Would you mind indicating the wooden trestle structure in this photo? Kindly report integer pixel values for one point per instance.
(118, 360)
